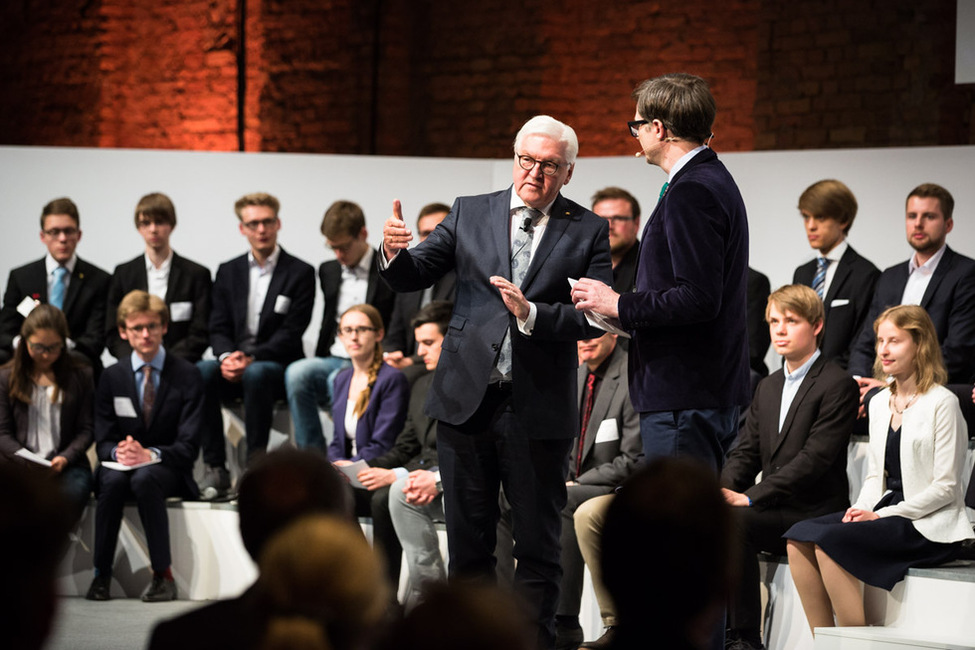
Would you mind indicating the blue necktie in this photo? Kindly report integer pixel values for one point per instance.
(59, 287)
(819, 280)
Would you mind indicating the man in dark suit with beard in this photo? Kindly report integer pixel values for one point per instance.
(504, 392)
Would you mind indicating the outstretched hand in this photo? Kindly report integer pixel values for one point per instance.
(396, 236)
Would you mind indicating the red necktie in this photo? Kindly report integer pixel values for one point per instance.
(586, 414)
(148, 394)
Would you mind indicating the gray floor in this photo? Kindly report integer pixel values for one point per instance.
(121, 623)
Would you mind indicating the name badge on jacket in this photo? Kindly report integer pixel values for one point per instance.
(181, 311)
(124, 408)
(608, 431)
(282, 304)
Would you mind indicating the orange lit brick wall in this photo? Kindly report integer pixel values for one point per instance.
(430, 77)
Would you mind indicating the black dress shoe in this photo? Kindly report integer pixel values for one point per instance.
(159, 590)
(605, 641)
(100, 588)
(568, 638)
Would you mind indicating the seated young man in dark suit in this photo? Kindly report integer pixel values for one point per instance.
(148, 413)
(62, 279)
(622, 211)
(261, 306)
(842, 278)
(183, 284)
(352, 278)
(796, 433)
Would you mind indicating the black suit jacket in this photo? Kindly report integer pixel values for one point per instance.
(84, 305)
(416, 446)
(474, 240)
(176, 421)
(399, 333)
(284, 317)
(188, 285)
(624, 273)
(949, 301)
(378, 294)
(77, 414)
(758, 333)
(846, 303)
(803, 467)
(688, 311)
(608, 461)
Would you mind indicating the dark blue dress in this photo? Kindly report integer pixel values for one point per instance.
(878, 552)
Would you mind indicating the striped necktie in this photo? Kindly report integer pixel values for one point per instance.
(663, 190)
(819, 280)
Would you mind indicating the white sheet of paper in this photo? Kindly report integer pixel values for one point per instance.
(351, 471)
(124, 408)
(26, 306)
(180, 311)
(607, 431)
(119, 467)
(27, 454)
(605, 323)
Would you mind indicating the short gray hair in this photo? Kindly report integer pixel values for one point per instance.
(551, 127)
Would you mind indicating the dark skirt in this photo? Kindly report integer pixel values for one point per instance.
(878, 552)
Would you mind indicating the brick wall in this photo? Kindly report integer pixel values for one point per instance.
(429, 77)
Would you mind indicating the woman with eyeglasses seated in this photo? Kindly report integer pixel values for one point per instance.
(910, 511)
(46, 405)
(369, 410)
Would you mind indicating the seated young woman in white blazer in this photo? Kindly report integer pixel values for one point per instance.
(911, 509)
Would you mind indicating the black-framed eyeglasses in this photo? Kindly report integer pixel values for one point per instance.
(618, 219)
(635, 126)
(349, 331)
(528, 163)
(257, 223)
(40, 348)
(54, 233)
(152, 328)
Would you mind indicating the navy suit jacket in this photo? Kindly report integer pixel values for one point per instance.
(846, 302)
(949, 301)
(378, 294)
(474, 240)
(688, 312)
(77, 413)
(284, 317)
(84, 305)
(377, 428)
(803, 467)
(399, 330)
(188, 283)
(176, 421)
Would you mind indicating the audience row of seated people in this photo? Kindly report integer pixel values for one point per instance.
(153, 410)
